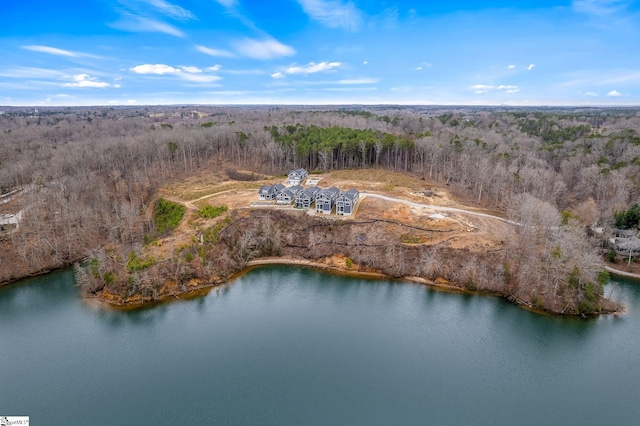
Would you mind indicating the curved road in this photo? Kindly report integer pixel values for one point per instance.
(439, 208)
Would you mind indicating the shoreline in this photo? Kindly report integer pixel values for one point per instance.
(438, 284)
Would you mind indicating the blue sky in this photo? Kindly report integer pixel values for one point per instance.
(119, 52)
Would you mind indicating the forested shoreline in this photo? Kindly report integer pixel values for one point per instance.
(87, 177)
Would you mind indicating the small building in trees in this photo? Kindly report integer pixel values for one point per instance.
(305, 198)
(287, 195)
(325, 200)
(270, 192)
(346, 202)
(297, 176)
(9, 222)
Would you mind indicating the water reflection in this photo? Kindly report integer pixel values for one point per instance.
(285, 345)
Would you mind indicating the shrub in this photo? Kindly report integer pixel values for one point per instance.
(167, 215)
(210, 212)
(135, 264)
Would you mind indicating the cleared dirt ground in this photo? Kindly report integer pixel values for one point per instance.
(409, 224)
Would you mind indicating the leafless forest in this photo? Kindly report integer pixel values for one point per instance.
(85, 177)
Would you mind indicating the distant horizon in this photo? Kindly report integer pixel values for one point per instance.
(354, 104)
(320, 52)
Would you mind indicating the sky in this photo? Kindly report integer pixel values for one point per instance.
(149, 52)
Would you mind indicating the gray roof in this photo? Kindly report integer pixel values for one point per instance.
(311, 191)
(299, 172)
(628, 244)
(329, 192)
(351, 194)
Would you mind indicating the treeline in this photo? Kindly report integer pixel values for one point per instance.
(88, 175)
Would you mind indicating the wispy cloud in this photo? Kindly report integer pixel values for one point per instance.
(422, 66)
(614, 94)
(312, 68)
(600, 8)
(267, 48)
(56, 51)
(356, 81)
(32, 72)
(171, 10)
(188, 73)
(149, 15)
(228, 3)
(139, 24)
(530, 67)
(278, 75)
(511, 67)
(481, 89)
(215, 52)
(85, 80)
(334, 13)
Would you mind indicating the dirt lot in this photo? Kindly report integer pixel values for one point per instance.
(411, 224)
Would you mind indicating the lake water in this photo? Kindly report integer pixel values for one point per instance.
(286, 345)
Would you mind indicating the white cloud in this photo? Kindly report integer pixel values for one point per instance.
(214, 68)
(228, 3)
(591, 94)
(159, 69)
(199, 78)
(530, 67)
(334, 13)
(312, 68)
(215, 52)
(246, 72)
(614, 94)
(365, 62)
(600, 8)
(188, 73)
(359, 81)
(192, 70)
(278, 74)
(139, 24)
(50, 50)
(85, 80)
(264, 49)
(481, 89)
(511, 67)
(171, 9)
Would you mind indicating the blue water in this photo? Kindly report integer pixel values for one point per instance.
(285, 345)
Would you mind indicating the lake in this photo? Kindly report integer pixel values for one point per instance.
(288, 345)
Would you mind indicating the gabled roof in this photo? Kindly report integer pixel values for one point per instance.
(298, 172)
(351, 194)
(329, 192)
(311, 191)
(278, 187)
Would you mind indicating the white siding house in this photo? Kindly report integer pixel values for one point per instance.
(297, 176)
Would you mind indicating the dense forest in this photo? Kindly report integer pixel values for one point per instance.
(85, 177)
